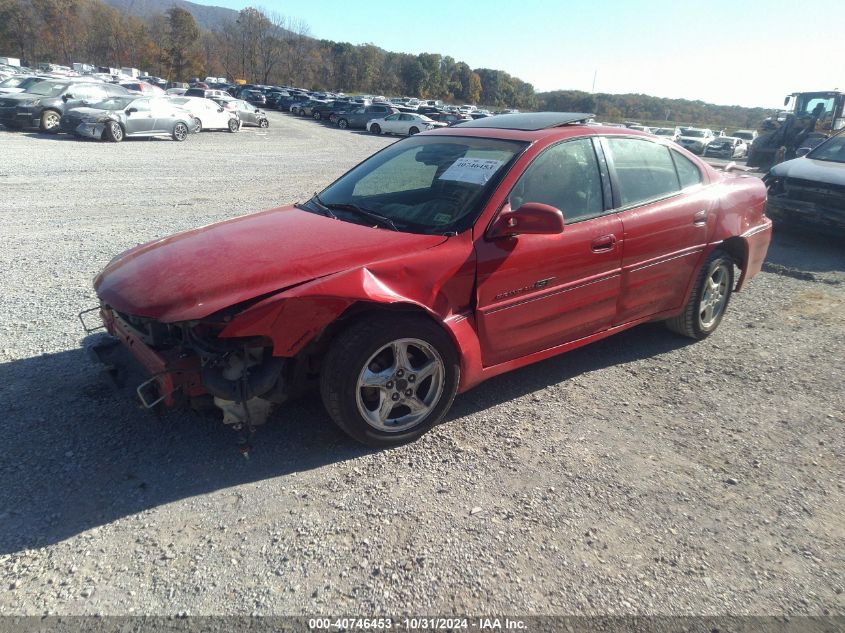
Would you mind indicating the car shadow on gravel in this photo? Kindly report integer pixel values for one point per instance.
(78, 453)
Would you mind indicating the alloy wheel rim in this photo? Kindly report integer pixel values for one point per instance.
(180, 132)
(714, 297)
(400, 385)
(116, 131)
(51, 121)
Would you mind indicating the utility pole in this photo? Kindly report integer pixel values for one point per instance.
(596, 72)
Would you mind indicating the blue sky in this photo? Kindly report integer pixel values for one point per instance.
(743, 52)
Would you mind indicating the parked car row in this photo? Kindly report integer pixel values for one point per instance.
(95, 109)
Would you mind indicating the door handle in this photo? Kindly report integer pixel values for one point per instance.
(700, 218)
(604, 243)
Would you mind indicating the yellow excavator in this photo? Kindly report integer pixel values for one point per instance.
(808, 119)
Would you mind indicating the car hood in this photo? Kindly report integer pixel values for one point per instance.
(808, 169)
(193, 274)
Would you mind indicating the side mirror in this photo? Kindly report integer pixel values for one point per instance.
(67, 97)
(786, 100)
(532, 218)
(220, 109)
(131, 110)
(802, 151)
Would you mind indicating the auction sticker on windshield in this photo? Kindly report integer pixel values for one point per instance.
(473, 170)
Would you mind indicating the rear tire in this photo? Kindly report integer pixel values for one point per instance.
(709, 299)
(375, 128)
(343, 124)
(114, 132)
(264, 123)
(234, 125)
(424, 374)
(197, 125)
(180, 132)
(413, 131)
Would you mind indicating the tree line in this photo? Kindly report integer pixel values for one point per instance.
(268, 48)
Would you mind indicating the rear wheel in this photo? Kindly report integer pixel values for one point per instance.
(180, 132)
(709, 299)
(114, 132)
(342, 124)
(317, 116)
(413, 131)
(197, 125)
(264, 123)
(234, 125)
(375, 128)
(50, 121)
(387, 380)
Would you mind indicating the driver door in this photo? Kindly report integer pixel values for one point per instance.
(535, 292)
(139, 117)
(391, 124)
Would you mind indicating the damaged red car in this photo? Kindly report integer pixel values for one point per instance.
(444, 259)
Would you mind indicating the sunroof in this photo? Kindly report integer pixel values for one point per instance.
(528, 121)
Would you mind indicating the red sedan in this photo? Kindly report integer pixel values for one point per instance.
(444, 259)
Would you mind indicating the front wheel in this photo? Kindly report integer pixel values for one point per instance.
(234, 125)
(375, 128)
(388, 380)
(317, 116)
(343, 124)
(50, 121)
(180, 132)
(709, 299)
(264, 123)
(413, 130)
(114, 132)
(197, 125)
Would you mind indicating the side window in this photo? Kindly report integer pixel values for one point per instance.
(406, 117)
(565, 176)
(141, 105)
(644, 170)
(688, 173)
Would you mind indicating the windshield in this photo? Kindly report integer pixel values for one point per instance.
(815, 104)
(744, 135)
(47, 89)
(832, 150)
(432, 184)
(19, 82)
(115, 103)
(695, 133)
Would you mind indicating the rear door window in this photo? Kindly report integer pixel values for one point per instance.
(644, 170)
(688, 173)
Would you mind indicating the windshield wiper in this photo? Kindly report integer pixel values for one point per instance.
(354, 208)
(322, 207)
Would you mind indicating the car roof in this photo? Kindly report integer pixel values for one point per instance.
(528, 121)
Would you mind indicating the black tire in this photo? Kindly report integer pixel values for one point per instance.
(50, 122)
(342, 124)
(197, 125)
(180, 132)
(113, 132)
(263, 123)
(690, 322)
(413, 130)
(317, 116)
(375, 128)
(354, 347)
(234, 125)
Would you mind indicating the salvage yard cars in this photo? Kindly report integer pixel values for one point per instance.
(443, 260)
(402, 123)
(120, 117)
(208, 114)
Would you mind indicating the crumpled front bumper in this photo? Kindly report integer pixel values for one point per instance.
(90, 130)
(810, 214)
(172, 373)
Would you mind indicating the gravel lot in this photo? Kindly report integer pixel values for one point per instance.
(643, 474)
